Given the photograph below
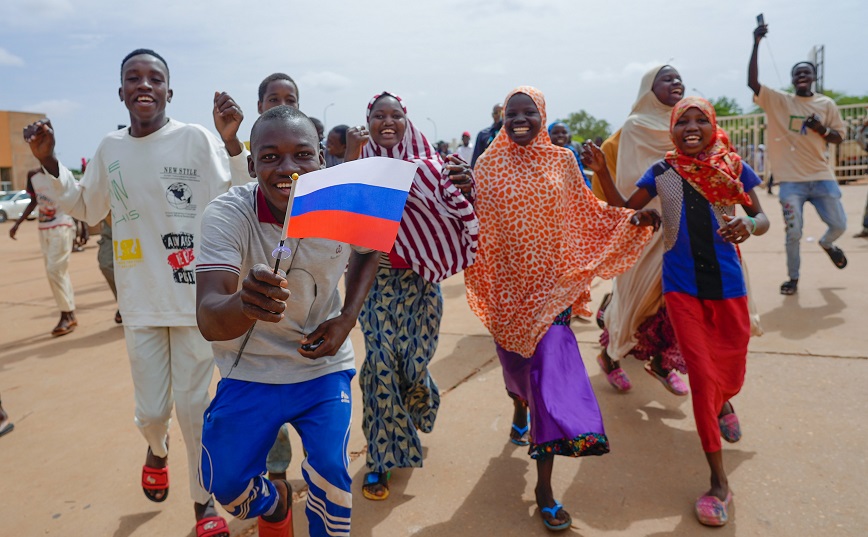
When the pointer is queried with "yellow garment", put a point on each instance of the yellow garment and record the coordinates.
(610, 151)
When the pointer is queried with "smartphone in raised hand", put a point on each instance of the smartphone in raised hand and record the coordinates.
(760, 20)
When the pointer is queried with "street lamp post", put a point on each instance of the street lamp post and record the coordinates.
(436, 138)
(324, 110)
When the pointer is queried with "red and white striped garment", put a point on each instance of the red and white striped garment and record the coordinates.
(439, 228)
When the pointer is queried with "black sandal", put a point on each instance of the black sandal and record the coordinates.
(601, 313)
(789, 287)
(837, 256)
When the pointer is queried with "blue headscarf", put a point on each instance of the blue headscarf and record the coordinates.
(571, 148)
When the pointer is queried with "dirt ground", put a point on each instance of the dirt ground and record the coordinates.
(72, 465)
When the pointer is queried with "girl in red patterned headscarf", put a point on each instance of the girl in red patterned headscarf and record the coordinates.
(699, 184)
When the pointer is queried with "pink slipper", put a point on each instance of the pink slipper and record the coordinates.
(711, 511)
(671, 381)
(616, 377)
(730, 428)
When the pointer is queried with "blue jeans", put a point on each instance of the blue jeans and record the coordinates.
(825, 196)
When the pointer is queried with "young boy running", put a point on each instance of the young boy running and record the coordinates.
(56, 235)
(156, 178)
(298, 363)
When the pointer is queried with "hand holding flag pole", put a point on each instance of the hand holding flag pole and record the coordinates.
(359, 202)
(279, 253)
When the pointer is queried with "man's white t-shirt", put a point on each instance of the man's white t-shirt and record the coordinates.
(156, 188)
(50, 214)
(465, 152)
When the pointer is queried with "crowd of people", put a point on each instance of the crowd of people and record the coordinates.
(529, 250)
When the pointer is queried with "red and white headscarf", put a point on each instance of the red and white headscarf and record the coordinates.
(714, 172)
(439, 229)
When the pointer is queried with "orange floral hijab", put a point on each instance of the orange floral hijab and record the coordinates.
(715, 171)
(543, 237)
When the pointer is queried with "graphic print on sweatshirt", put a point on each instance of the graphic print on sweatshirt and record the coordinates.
(181, 247)
(122, 211)
(179, 193)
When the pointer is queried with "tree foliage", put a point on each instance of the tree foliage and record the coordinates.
(726, 106)
(583, 126)
(843, 98)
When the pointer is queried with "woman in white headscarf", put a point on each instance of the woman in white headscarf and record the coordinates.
(635, 319)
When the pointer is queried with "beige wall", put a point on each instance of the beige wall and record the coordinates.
(14, 151)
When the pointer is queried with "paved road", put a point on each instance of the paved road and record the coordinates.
(71, 467)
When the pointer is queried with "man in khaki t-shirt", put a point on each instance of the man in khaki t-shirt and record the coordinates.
(799, 127)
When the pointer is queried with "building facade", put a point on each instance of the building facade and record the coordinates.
(15, 155)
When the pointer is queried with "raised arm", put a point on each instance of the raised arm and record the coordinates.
(594, 159)
(753, 67)
(357, 138)
(227, 120)
(88, 204)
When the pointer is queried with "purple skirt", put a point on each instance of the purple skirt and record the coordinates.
(565, 418)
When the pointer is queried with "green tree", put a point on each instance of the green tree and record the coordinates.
(584, 126)
(726, 106)
(843, 98)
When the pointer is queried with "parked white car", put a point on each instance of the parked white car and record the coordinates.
(12, 205)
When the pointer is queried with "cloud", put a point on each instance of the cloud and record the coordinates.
(488, 67)
(325, 80)
(54, 108)
(7, 58)
(87, 41)
(33, 12)
(48, 8)
(536, 7)
(629, 70)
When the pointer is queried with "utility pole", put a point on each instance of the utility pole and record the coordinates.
(818, 58)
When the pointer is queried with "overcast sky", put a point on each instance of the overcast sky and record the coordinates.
(451, 60)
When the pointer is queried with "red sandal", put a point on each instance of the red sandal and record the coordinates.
(282, 528)
(212, 526)
(155, 480)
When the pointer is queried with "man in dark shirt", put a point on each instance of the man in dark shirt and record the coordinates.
(486, 135)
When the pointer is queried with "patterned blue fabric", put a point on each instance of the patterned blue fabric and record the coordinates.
(401, 323)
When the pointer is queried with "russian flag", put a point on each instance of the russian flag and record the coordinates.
(358, 202)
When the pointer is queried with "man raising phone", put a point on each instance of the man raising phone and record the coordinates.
(799, 127)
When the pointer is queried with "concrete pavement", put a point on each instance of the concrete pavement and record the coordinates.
(71, 467)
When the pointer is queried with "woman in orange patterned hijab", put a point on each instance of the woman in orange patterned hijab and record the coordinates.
(543, 237)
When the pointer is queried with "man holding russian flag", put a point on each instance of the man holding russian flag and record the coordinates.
(296, 364)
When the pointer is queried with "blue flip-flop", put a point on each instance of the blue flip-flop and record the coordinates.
(553, 512)
(6, 427)
(520, 441)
